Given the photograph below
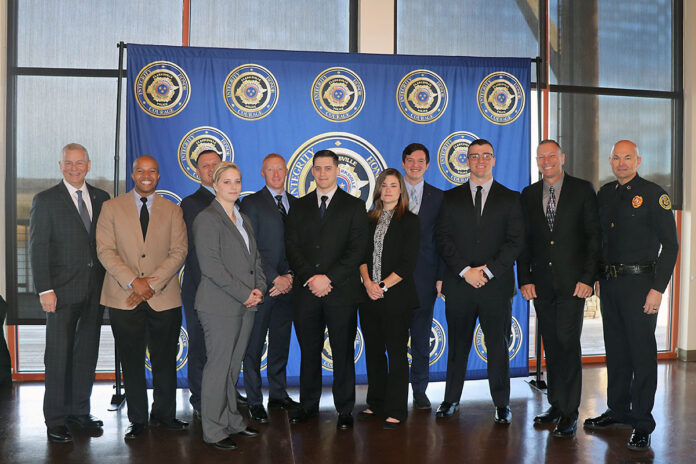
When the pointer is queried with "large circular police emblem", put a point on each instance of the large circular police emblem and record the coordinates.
(359, 164)
(438, 341)
(199, 140)
(326, 356)
(169, 195)
(181, 351)
(338, 94)
(500, 98)
(513, 347)
(452, 156)
(162, 89)
(422, 96)
(251, 91)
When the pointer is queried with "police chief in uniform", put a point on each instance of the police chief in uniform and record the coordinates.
(639, 251)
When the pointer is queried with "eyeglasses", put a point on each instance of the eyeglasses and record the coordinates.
(483, 156)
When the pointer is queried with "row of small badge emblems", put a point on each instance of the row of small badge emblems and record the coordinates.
(162, 89)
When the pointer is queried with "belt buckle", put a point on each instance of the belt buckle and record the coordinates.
(612, 272)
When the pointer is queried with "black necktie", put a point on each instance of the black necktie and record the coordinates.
(322, 208)
(477, 204)
(281, 207)
(144, 216)
(84, 214)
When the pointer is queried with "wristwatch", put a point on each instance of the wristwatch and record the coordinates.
(383, 287)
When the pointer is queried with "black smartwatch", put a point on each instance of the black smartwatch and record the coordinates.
(383, 287)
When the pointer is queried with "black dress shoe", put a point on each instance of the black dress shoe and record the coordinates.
(301, 416)
(447, 409)
(286, 403)
(258, 414)
(363, 415)
(503, 415)
(174, 424)
(241, 399)
(345, 421)
(640, 441)
(134, 430)
(248, 432)
(59, 434)
(565, 428)
(549, 416)
(421, 401)
(225, 444)
(386, 425)
(85, 421)
(605, 422)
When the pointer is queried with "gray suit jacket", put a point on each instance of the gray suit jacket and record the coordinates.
(229, 271)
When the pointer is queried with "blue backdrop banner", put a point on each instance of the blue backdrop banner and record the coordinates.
(367, 108)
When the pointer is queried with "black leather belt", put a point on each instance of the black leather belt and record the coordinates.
(614, 271)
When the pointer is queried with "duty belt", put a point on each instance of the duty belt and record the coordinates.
(613, 271)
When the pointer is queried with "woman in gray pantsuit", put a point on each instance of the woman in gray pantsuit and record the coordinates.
(232, 285)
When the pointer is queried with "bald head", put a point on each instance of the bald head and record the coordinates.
(145, 175)
(624, 160)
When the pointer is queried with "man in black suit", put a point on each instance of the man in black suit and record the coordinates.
(425, 201)
(68, 278)
(325, 241)
(5, 361)
(557, 270)
(191, 206)
(267, 210)
(480, 234)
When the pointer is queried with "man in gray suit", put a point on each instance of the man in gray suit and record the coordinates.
(68, 277)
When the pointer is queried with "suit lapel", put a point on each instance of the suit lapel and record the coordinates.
(537, 199)
(233, 229)
(96, 208)
(65, 196)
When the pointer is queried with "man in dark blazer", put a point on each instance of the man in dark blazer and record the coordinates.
(557, 270)
(267, 210)
(326, 239)
(68, 278)
(191, 206)
(480, 234)
(424, 201)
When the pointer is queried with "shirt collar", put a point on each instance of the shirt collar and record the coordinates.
(329, 194)
(486, 185)
(210, 189)
(556, 185)
(274, 193)
(72, 190)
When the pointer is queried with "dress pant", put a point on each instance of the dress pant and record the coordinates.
(495, 315)
(421, 330)
(5, 362)
(70, 358)
(274, 316)
(385, 328)
(134, 330)
(629, 339)
(311, 316)
(226, 339)
(560, 323)
(196, 348)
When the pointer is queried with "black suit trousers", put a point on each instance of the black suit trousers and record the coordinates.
(70, 358)
(385, 329)
(311, 316)
(560, 323)
(134, 330)
(629, 339)
(421, 330)
(274, 317)
(495, 316)
(196, 350)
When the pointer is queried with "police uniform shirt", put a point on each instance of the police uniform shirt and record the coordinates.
(638, 227)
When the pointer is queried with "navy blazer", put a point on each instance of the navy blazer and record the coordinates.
(496, 242)
(429, 266)
(333, 245)
(269, 227)
(192, 205)
(63, 253)
(556, 261)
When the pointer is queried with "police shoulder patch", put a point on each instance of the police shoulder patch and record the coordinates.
(665, 202)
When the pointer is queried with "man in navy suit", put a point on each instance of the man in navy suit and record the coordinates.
(326, 236)
(557, 270)
(191, 206)
(480, 234)
(68, 278)
(425, 201)
(267, 210)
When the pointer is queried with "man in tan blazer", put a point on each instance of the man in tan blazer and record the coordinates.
(142, 243)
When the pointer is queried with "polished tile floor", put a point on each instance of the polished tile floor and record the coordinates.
(470, 436)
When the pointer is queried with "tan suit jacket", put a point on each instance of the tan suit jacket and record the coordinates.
(126, 256)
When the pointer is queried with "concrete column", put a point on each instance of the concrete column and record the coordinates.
(376, 26)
